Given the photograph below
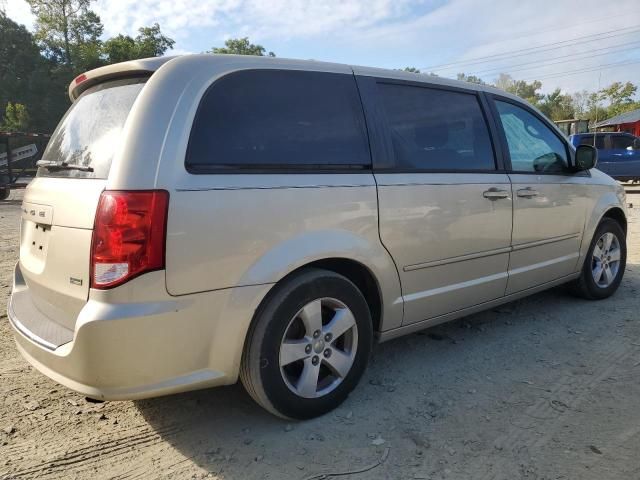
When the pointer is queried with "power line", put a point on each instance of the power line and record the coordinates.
(573, 56)
(540, 48)
(554, 28)
(584, 70)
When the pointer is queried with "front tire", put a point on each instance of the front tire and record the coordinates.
(605, 263)
(308, 345)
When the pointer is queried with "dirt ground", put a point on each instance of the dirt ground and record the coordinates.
(543, 388)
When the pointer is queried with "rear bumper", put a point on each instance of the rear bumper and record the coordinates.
(125, 350)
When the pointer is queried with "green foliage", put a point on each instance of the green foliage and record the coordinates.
(150, 42)
(86, 46)
(56, 23)
(620, 98)
(16, 118)
(503, 82)
(68, 39)
(28, 78)
(37, 68)
(528, 91)
(470, 79)
(416, 70)
(607, 102)
(557, 105)
(242, 46)
(69, 33)
(119, 49)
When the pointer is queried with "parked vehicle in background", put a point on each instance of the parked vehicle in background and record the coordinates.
(573, 126)
(19, 152)
(618, 153)
(205, 218)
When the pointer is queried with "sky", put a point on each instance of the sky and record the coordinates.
(563, 43)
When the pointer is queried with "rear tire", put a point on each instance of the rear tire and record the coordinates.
(308, 346)
(4, 193)
(604, 264)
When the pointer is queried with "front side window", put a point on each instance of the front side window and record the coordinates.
(434, 129)
(274, 119)
(621, 142)
(533, 147)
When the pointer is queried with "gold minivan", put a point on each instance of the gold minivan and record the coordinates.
(206, 217)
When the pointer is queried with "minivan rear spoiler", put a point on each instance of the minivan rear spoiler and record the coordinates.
(133, 68)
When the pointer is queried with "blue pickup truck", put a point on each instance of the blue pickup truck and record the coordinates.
(618, 153)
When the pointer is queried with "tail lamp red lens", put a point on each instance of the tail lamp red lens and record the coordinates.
(129, 236)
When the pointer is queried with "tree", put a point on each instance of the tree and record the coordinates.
(57, 23)
(580, 102)
(86, 46)
(16, 118)
(620, 97)
(503, 82)
(242, 46)
(470, 78)
(527, 91)
(411, 69)
(557, 105)
(150, 42)
(607, 102)
(28, 78)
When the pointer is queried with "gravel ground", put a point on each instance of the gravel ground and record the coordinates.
(543, 388)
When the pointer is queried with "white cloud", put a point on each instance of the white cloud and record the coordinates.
(19, 11)
(261, 19)
(392, 33)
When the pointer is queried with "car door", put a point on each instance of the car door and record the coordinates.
(624, 156)
(444, 204)
(549, 202)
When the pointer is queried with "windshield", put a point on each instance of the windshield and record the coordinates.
(90, 132)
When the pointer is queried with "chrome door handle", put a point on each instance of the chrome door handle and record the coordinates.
(527, 192)
(494, 194)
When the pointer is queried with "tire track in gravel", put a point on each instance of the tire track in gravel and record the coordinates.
(559, 401)
(91, 456)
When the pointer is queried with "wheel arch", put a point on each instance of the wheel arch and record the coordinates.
(617, 214)
(361, 276)
(610, 205)
(358, 273)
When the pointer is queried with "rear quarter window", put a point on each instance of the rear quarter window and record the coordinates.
(91, 130)
(279, 120)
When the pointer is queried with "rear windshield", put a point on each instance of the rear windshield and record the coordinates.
(90, 132)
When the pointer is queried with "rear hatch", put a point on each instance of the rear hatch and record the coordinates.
(60, 204)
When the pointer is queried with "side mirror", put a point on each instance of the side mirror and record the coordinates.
(586, 157)
(630, 148)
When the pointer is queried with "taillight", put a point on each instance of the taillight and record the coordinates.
(128, 236)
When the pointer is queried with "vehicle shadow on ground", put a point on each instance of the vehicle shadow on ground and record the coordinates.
(223, 430)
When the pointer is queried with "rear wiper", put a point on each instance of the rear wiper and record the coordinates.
(53, 166)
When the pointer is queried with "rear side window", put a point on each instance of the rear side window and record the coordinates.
(598, 142)
(279, 119)
(433, 129)
(91, 130)
(533, 147)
